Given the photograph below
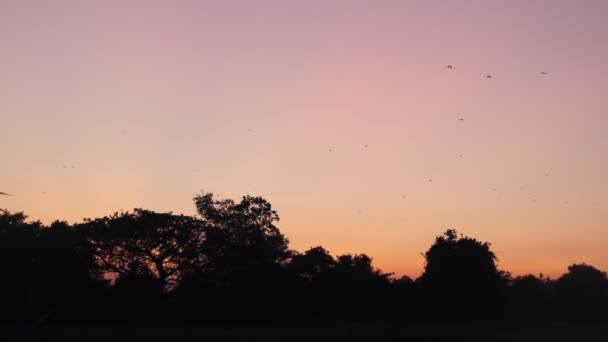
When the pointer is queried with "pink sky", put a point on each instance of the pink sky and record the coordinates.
(152, 101)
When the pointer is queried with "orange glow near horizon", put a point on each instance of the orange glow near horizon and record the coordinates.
(114, 105)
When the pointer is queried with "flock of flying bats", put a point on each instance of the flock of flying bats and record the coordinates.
(330, 150)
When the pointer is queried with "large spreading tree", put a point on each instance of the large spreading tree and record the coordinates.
(146, 243)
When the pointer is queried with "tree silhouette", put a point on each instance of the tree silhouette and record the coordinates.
(528, 295)
(232, 264)
(19, 255)
(144, 242)
(45, 272)
(582, 292)
(139, 291)
(244, 256)
(460, 277)
(352, 288)
(241, 238)
(405, 297)
(67, 276)
(311, 263)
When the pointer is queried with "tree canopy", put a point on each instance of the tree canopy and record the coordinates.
(240, 236)
(161, 245)
(460, 276)
(231, 262)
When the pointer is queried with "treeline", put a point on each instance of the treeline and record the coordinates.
(231, 263)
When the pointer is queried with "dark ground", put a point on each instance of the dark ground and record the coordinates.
(494, 331)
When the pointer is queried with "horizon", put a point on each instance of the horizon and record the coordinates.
(340, 116)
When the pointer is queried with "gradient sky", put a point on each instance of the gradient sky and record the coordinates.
(152, 101)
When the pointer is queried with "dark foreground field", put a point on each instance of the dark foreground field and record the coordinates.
(597, 331)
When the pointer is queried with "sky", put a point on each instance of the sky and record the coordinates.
(114, 105)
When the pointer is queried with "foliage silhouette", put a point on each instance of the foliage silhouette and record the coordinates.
(582, 292)
(529, 296)
(312, 263)
(43, 270)
(461, 279)
(232, 263)
(161, 245)
(241, 238)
